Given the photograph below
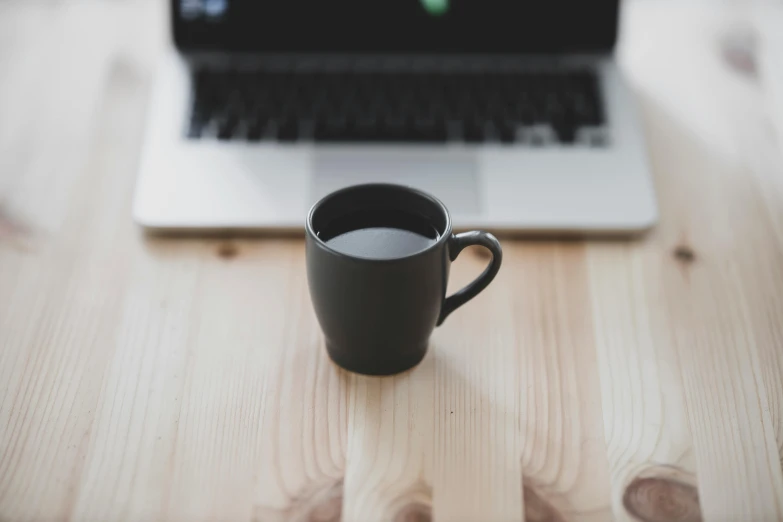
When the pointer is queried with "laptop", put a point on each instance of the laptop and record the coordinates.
(513, 112)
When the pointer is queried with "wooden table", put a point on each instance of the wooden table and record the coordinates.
(151, 379)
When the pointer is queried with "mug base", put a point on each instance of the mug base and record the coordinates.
(375, 367)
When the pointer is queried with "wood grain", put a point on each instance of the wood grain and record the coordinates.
(765, 304)
(644, 403)
(477, 469)
(564, 453)
(146, 378)
(707, 298)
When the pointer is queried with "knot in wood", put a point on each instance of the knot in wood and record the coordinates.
(684, 254)
(414, 512)
(227, 251)
(654, 499)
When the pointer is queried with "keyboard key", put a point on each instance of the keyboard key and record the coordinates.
(473, 132)
(565, 134)
(194, 130)
(255, 132)
(287, 130)
(506, 131)
(227, 126)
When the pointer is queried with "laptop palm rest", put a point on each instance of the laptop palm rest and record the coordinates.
(450, 176)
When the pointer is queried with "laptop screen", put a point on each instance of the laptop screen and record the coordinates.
(396, 26)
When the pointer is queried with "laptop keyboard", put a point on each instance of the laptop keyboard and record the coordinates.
(531, 107)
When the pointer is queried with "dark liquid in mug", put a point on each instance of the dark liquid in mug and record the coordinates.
(379, 234)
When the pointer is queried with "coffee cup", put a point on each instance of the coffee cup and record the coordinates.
(378, 258)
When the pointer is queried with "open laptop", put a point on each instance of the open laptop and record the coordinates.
(512, 112)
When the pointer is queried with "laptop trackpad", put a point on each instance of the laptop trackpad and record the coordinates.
(450, 175)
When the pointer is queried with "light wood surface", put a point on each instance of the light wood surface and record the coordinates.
(156, 379)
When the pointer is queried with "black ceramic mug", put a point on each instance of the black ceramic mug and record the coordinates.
(377, 312)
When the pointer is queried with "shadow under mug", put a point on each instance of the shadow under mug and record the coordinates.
(377, 315)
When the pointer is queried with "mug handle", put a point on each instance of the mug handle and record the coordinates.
(457, 244)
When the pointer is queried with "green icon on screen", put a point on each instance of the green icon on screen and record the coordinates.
(435, 7)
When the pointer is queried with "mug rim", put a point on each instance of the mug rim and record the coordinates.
(412, 190)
